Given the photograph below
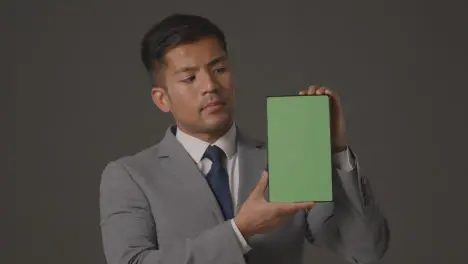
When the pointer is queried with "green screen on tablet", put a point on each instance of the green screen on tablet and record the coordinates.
(299, 148)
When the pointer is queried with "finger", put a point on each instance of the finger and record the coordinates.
(321, 90)
(312, 89)
(259, 190)
(304, 205)
(303, 92)
(333, 96)
(291, 208)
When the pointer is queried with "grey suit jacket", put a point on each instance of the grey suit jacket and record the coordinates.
(156, 207)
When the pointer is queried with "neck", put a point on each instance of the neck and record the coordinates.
(210, 136)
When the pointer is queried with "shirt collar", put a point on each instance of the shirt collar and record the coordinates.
(197, 147)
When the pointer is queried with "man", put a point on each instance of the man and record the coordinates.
(198, 196)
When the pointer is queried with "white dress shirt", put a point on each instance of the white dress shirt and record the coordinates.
(196, 148)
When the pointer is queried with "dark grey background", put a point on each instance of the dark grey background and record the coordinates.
(77, 97)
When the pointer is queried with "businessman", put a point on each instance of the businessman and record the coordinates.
(200, 195)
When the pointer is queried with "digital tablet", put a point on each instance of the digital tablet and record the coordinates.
(299, 148)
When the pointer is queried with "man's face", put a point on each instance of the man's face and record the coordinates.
(199, 91)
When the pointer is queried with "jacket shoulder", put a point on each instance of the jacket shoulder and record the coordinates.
(140, 159)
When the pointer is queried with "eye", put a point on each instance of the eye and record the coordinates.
(189, 79)
(221, 70)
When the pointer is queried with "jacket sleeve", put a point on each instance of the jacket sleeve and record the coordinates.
(352, 225)
(129, 233)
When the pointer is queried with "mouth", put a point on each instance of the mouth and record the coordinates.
(213, 105)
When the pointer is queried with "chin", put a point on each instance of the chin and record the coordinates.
(217, 123)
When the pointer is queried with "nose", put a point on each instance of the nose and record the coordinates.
(210, 83)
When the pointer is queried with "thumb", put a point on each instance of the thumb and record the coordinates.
(259, 190)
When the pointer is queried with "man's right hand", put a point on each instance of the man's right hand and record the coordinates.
(258, 215)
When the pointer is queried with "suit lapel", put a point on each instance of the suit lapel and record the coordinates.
(252, 162)
(176, 161)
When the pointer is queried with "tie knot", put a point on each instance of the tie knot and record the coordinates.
(215, 154)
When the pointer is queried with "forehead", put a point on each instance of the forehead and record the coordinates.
(198, 53)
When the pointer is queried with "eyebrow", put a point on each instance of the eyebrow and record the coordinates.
(210, 64)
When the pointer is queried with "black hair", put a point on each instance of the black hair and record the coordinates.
(172, 31)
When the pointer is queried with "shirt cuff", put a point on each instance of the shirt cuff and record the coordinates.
(245, 247)
(353, 183)
(343, 160)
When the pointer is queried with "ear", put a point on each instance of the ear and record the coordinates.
(160, 99)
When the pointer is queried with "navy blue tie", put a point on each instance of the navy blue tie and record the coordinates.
(218, 180)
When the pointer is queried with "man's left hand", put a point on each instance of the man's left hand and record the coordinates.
(338, 129)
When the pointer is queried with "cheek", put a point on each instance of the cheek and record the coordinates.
(230, 88)
(225, 80)
(184, 104)
(226, 83)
